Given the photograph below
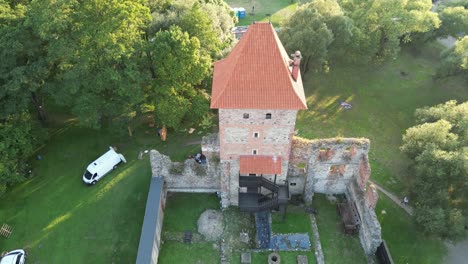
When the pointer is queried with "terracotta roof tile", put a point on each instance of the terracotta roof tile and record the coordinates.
(255, 75)
(260, 164)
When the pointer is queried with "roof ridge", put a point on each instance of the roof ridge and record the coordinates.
(256, 74)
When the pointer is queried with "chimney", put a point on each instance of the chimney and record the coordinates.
(295, 63)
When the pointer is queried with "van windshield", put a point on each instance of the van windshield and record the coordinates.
(88, 175)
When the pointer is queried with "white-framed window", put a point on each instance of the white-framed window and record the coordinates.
(256, 134)
(246, 116)
(254, 152)
(268, 116)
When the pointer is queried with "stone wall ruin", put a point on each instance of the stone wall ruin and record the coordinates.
(329, 166)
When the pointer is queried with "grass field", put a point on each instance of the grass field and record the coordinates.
(182, 213)
(336, 245)
(384, 101)
(264, 10)
(407, 244)
(184, 209)
(57, 219)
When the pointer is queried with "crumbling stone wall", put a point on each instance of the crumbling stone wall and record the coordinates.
(187, 176)
(328, 165)
(370, 229)
(338, 166)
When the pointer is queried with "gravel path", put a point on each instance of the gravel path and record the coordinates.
(394, 198)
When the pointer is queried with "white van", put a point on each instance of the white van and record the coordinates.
(100, 167)
(17, 256)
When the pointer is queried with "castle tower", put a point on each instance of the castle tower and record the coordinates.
(258, 91)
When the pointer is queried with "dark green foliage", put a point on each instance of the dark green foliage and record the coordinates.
(92, 46)
(455, 60)
(437, 149)
(18, 137)
(177, 67)
(357, 31)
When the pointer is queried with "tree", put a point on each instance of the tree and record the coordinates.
(19, 134)
(210, 21)
(357, 31)
(454, 18)
(177, 68)
(94, 48)
(23, 68)
(307, 31)
(438, 151)
(387, 23)
(455, 60)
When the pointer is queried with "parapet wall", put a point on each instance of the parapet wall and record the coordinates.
(187, 176)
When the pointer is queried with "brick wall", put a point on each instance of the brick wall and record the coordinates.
(236, 133)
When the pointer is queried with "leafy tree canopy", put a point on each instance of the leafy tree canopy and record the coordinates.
(177, 67)
(210, 21)
(360, 31)
(454, 61)
(438, 150)
(93, 49)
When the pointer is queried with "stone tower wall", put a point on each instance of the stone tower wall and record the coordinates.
(236, 133)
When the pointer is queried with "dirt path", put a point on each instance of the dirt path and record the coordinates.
(394, 198)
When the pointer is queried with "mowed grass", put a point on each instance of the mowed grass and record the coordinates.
(407, 244)
(337, 247)
(295, 222)
(58, 219)
(384, 100)
(181, 214)
(275, 11)
(195, 253)
(184, 209)
(285, 256)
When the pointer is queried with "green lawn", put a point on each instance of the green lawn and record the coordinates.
(181, 214)
(295, 222)
(58, 219)
(195, 253)
(406, 243)
(286, 257)
(383, 102)
(184, 209)
(335, 244)
(277, 9)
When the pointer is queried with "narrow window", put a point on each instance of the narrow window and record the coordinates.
(268, 116)
(256, 134)
(254, 152)
(292, 184)
(246, 116)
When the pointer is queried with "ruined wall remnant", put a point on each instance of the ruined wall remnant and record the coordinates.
(328, 165)
(337, 166)
(187, 176)
(369, 230)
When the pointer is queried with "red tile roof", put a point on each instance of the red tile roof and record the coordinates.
(260, 164)
(256, 74)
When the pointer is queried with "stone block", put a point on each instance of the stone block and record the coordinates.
(246, 258)
(244, 237)
(302, 259)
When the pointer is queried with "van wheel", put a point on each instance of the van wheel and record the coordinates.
(93, 183)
